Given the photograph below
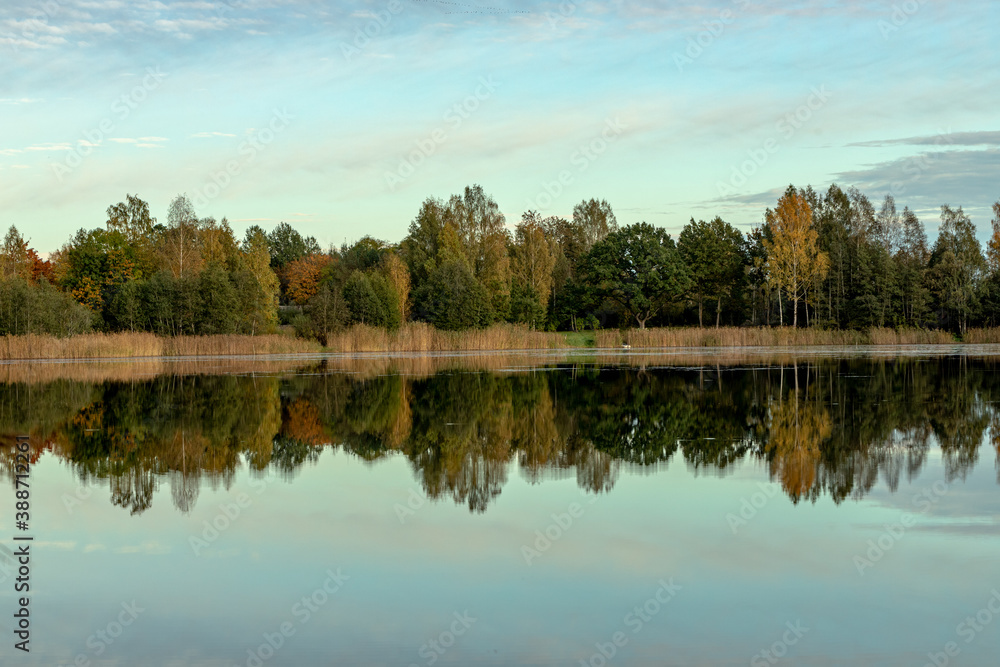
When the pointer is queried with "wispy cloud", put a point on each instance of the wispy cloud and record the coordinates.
(983, 138)
(140, 142)
(49, 147)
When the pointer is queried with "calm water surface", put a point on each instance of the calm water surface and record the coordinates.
(801, 508)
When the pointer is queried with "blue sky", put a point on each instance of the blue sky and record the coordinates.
(285, 110)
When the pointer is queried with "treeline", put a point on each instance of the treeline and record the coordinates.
(831, 260)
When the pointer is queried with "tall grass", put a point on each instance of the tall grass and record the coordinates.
(766, 337)
(233, 345)
(422, 337)
(982, 336)
(131, 345)
(419, 337)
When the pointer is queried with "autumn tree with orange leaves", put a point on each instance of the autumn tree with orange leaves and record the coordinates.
(794, 259)
(303, 277)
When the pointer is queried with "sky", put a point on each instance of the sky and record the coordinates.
(341, 118)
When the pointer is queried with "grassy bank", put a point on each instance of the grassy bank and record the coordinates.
(417, 337)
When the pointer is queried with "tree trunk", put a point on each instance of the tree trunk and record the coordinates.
(781, 313)
(700, 301)
(805, 300)
(795, 309)
(718, 311)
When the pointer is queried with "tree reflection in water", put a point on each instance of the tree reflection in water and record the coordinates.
(822, 426)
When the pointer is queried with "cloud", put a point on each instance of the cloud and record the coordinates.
(982, 138)
(62, 546)
(19, 100)
(49, 147)
(141, 142)
(929, 179)
(205, 135)
(149, 548)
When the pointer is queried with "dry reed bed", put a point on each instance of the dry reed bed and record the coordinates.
(982, 336)
(422, 337)
(766, 337)
(185, 346)
(130, 345)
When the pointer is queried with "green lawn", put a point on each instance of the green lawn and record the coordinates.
(579, 338)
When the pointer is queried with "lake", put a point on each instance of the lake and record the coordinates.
(760, 507)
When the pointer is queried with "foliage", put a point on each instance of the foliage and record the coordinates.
(371, 300)
(715, 256)
(794, 259)
(327, 312)
(532, 261)
(303, 277)
(835, 258)
(452, 299)
(286, 245)
(638, 267)
(27, 308)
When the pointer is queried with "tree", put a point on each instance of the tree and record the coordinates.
(371, 300)
(15, 258)
(255, 258)
(419, 250)
(287, 245)
(395, 271)
(912, 259)
(482, 232)
(255, 307)
(218, 302)
(303, 277)
(180, 251)
(716, 260)
(956, 267)
(452, 298)
(39, 309)
(794, 259)
(595, 220)
(41, 269)
(364, 254)
(132, 220)
(218, 243)
(639, 268)
(888, 231)
(125, 311)
(131, 217)
(327, 311)
(532, 260)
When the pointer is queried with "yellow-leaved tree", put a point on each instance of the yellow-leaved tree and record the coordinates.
(794, 259)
